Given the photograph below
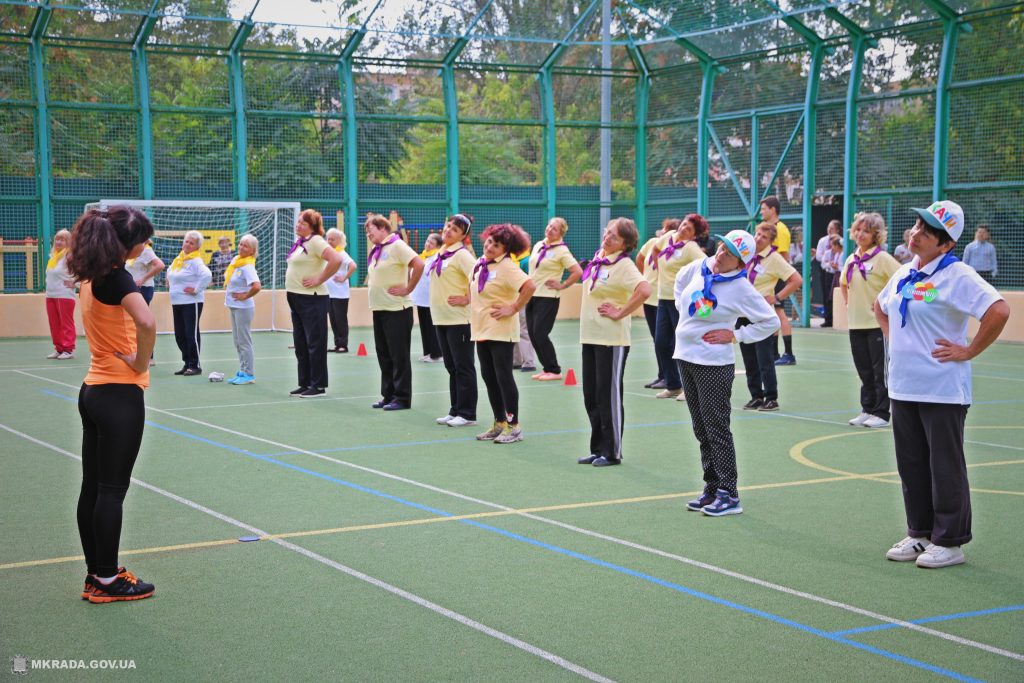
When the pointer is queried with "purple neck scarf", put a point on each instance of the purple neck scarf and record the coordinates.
(755, 262)
(544, 250)
(859, 262)
(481, 266)
(299, 244)
(671, 248)
(593, 268)
(374, 258)
(438, 263)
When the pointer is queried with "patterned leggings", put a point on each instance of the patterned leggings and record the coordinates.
(708, 390)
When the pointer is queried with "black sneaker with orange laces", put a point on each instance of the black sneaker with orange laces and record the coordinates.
(126, 586)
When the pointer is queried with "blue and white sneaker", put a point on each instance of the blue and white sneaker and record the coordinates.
(244, 379)
(697, 503)
(724, 504)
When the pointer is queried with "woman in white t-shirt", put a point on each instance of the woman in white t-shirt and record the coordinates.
(712, 296)
(187, 278)
(924, 311)
(60, 299)
(241, 284)
(144, 270)
(338, 291)
(420, 298)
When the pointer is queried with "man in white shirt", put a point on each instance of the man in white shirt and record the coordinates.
(822, 255)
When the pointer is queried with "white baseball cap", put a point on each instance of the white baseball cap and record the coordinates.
(946, 216)
(740, 243)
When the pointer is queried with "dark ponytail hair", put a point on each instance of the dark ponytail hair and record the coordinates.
(102, 238)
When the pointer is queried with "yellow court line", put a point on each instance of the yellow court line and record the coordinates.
(796, 452)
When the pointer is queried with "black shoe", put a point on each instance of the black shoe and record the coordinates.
(606, 462)
(182, 371)
(528, 368)
(768, 406)
(126, 586)
(655, 384)
(753, 404)
(516, 367)
(192, 372)
(380, 404)
(588, 460)
(297, 392)
(313, 392)
(396, 405)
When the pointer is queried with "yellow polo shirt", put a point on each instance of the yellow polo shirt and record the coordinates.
(861, 293)
(504, 280)
(669, 268)
(650, 272)
(305, 263)
(454, 280)
(770, 270)
(782, 237)
(615, 284)
(556, 261)
(392, 269)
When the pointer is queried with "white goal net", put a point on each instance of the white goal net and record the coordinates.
(272, 223)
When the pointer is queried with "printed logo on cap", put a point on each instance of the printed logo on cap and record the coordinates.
(946, 217)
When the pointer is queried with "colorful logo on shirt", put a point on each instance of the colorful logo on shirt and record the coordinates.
(920, 291)
(701, 307)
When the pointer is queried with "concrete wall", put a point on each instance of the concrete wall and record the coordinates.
(24, 315)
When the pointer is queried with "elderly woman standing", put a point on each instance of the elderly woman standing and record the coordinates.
(718, 305)
(548, 262)
(60, 299)
(338, 288)
(311, 262)
(420, 298)
(861, 279)
(241, 284)
(612, 289)
(674, 251)
(187, 278)
(764, 270)
(924, 311)
(392, 271)
(646, 263)
(499, 290)
(450, 276)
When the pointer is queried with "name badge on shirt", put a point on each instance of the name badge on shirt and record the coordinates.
(868, 267)
(602, 276)
(759, 268)
(491, 275)
(920, 291)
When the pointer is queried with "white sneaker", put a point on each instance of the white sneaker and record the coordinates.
(459, 421)
(681, 396)
(668, 393)
(65, 355)
(937, 556)
(859, 420)
(874, 422)
(425, 359)
(444, 419)
(907, 550)
(54, 355)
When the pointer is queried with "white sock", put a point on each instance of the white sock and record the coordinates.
(106, 581)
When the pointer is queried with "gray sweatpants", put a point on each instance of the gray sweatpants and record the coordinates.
(241, 330)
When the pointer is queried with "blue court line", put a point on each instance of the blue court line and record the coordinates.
(931, 620)
(833, 637)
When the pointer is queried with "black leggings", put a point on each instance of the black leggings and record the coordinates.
(113, 417)
(541, 313)
(496, 370)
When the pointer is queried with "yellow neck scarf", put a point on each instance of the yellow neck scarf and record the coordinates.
(237, 262)
(427, 253)
(55, 257)
(180, 259)
(340, 249)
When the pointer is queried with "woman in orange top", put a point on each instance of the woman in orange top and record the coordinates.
(121, 333)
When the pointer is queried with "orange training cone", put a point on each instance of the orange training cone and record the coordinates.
(570, 378)
(361, 351)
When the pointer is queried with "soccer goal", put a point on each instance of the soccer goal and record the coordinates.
(272, 223)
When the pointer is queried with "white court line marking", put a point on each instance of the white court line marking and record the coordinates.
(612, 539)
(355, 573)
(843, 424)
